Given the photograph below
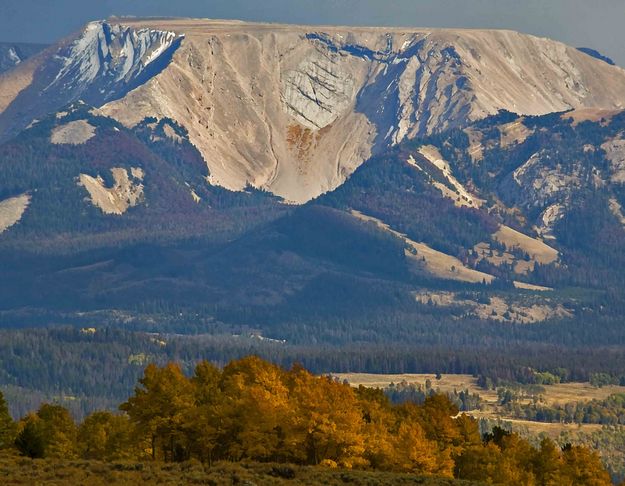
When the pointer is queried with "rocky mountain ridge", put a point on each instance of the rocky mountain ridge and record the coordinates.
(296, 109)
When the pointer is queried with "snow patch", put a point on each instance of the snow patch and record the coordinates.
(106, 59)
(13, 56)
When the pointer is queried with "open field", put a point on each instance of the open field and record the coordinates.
(554, 394)
(559, 393)
(552, 430)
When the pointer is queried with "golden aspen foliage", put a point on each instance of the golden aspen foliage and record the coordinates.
(379, 428)
(415, 453)
(547, 463)
(328, 422)
(583, 466)
(469, 430)
(203, 424)
(253, 410)
(159, 409)
(106, 437)
(59, 431)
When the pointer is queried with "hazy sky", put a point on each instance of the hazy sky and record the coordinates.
(589, 23)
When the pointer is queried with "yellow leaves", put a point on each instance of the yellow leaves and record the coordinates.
(582, 466)
(106, 437)
(329, 421)
(59, 431)
(7, 426)
(254, 410)
(50, 432)
(414, 452)
(159, 408)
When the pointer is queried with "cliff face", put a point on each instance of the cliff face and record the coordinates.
(295, 109)
(12, 54)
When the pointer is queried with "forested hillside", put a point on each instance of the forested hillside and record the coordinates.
(185, 246)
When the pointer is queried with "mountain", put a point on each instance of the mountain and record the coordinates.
(357, 199)
(326, 184)
(12, 54)
(294, 110)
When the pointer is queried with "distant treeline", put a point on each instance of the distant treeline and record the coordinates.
(97, 368)
(609, 411)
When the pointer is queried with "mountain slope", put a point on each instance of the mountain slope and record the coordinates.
(295, 109)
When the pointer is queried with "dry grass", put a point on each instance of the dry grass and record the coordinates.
(527, 286)
(12, 209)
(559, 393)
(437, 263)
(552, 430)
(578, 392)
(73, 133)
(589, 114)
(447, 383)
(536, 249)
(499, 308)
(16, 470)
(514, 132)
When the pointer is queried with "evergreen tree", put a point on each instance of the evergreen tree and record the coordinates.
(7, 425)
(31, 439)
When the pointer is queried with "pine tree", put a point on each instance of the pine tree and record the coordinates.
(7, 425)
(31, 440)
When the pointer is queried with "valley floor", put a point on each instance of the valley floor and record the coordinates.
(556, 394)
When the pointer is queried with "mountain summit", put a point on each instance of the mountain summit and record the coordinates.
(294, 110)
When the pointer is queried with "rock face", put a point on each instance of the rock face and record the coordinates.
(318, 90)
(108, 60)
(103, 62)
(295, 109)
(13, 54)
(547, 184)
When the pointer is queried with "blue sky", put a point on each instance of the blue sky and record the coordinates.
(598, 24)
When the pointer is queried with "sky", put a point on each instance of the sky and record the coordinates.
(581, 23)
